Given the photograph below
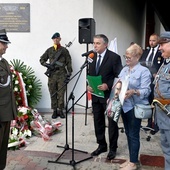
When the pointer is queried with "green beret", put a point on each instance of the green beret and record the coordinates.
(56, 35)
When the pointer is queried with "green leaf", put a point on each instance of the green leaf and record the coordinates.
(32, 84)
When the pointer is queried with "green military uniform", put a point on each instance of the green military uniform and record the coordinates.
(58, 75)
(8, 109)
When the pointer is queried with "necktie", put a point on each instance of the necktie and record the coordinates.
(98, 64)
(151, 57)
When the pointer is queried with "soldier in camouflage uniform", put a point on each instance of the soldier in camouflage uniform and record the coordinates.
(162, 97)
(59, 72)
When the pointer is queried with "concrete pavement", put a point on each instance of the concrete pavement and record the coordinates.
(72, 151)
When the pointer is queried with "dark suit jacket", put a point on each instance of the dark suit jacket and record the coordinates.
(109, 69)
(157, 62)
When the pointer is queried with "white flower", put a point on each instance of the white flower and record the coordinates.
(30, 86)
(15, 131)
(23, 110)
(16, 82)
(27, 133)
(16, 89)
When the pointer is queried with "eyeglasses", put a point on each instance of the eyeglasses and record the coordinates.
(127, 58)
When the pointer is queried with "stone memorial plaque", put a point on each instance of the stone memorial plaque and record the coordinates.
(15, 17)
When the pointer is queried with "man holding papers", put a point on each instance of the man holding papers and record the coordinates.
(106, 66)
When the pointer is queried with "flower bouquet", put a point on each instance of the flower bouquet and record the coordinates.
(27, 91)
(17, 138)
(20, 128)
(43, 127)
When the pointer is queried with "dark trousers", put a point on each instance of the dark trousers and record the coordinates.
(132, 129)
(4, 136)
(100, 125)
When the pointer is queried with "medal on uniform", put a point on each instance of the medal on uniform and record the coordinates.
(159, 60)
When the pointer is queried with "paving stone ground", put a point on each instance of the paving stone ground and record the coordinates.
(71, 150)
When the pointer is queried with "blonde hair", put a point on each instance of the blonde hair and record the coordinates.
(135, 50)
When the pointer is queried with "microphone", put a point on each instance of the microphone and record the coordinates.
(90, 56)
(87, 53)
(89, 60)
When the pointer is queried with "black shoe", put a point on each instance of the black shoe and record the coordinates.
(99, 150)
(62, 114)
(146, 128)
(111, 155)
(153, 132)
(54, 115)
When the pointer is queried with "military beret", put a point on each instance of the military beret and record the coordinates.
(55, 35)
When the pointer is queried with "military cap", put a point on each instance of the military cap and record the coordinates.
(3, 36)
(164, 37)
(55, 35)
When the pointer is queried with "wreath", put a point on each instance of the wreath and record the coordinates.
(24, 77)
(27, 91)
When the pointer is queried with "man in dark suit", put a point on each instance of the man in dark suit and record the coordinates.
(152, 59)
(8, 109)
(109, 67)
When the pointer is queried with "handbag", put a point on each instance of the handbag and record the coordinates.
(143, 111)
(113, 109)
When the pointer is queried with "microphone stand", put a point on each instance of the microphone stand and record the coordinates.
(86, 106)
(66, 147)
(86, 92)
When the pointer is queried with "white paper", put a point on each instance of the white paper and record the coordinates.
(124, 87)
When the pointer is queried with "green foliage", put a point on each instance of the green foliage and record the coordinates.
(32, 84)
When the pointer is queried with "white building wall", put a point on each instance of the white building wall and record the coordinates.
(46, 18)
(121, 19)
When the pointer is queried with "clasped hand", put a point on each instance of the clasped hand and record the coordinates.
(129, 93)
(102, 87)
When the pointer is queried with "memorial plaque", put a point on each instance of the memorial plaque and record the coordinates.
(15, 17)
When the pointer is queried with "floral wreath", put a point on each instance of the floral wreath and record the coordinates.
(27, 88)
(27, 91)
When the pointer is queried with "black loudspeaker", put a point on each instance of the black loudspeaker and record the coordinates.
(86, 30)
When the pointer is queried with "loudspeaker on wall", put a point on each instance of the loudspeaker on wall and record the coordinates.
(86, 30)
